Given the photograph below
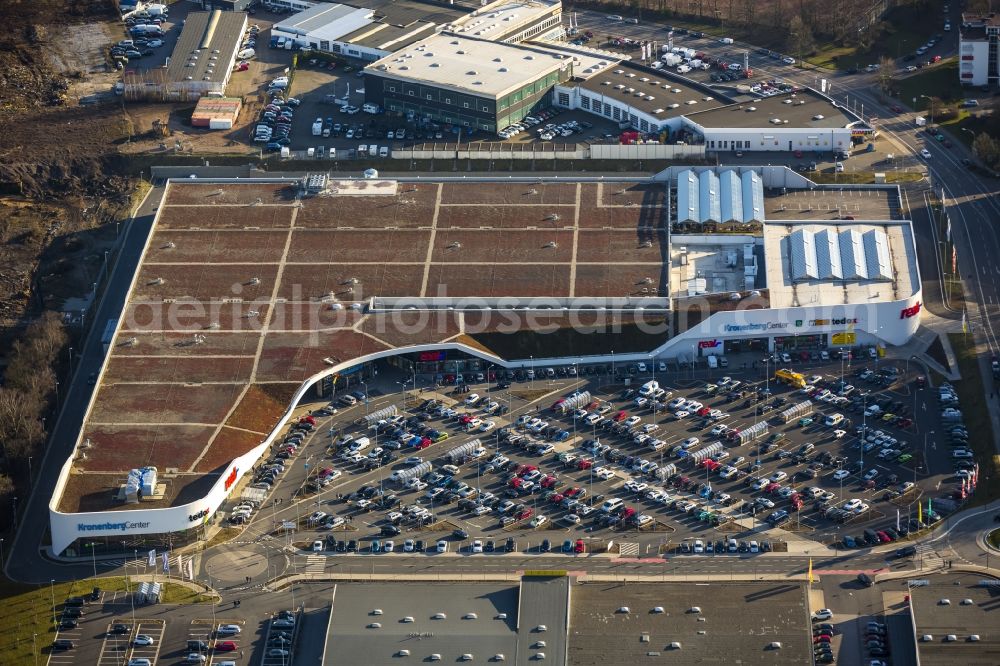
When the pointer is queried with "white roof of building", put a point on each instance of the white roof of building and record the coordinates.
(587, 61)
(838, 262)
(481, 68)
(326, 21)
(500, 18)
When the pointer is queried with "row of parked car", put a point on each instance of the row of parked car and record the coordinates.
(527, 123)
(275, 124)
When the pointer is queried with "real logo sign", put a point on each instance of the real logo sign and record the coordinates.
(709, 344)
(911, 311)
(231, 479)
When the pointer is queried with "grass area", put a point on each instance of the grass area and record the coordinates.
(138, 194)
(993, 538)
(26, 613)
(863, 177)
(976, 416)
(903, 30)
(222, 536)
(951, 280)
(940, 81)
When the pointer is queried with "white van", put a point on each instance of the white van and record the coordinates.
(834, 420)
(611, 505)
(713, 362)
(373, 150)
(649, 387)
(370, 108)
(383, 151)
(726, 40)
(360, 444)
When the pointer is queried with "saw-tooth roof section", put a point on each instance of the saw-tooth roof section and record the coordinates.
(709, 197)
(753, 197)
(852, 255)
(828, 263)
(877, 257)
(803, 251)
(688, 210)
(731, 199)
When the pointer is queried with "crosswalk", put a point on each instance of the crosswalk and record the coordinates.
(928, 557)
(315, 564)
(628, 548)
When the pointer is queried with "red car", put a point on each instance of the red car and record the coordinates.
(704, 411)
(896, 108)
(526, 469)
(523, 514)
(311, 420)
(573, 492)
(243, 66)
(798, 153)
(905, 423)
(465, 419)
(627, 513)
(424, 443)
(225, 646)
(579, 547)
(620, 416)
(548, 482)
(584, 463)
(557, 498)
(557, 404)
(772, 487)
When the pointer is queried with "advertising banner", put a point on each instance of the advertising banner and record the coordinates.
(843, 338)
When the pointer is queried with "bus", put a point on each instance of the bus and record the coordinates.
(791, 378)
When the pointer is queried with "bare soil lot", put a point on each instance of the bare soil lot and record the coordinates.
(224, 216)
(342, 245)
(214, 246)
(173, 369)
(221, 195)
(509, 193)
(292, 357)
(163, 403)
(595, 245)
(193, 317)
(410, 209)
(170, 344)
(156, 445)
(307, 282)
(506, 217)
(311, 317)
(502, 246)
(616, 281)
(205, 282)
(229, 444)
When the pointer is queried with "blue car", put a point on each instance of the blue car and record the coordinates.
(273, 146)
(376, 546)
(849, 542)
(561, 436)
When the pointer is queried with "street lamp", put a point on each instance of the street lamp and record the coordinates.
(931, 100)
(52, 589)
(93, 557)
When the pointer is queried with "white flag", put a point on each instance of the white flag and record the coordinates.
(897, 520)
(190, 568)
(180, 564)
(948, 230)
(166, 563)
(152, 558)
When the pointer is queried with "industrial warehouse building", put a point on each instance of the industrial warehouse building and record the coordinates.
(466, 81)
(373, 29)
(801, 267)
(201, 63)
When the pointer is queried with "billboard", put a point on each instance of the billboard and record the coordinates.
(843, 339)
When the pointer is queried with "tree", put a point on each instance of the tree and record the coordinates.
(987, 149)
(800, 36)
(885, 69)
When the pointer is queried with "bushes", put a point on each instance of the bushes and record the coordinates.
(29, 385)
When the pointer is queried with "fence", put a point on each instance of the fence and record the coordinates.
(380, 415)
(798, 410)
(547, 151)
(460, 453)
(706, 452)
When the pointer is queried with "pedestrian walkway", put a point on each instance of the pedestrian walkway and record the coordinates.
(928, 557)
(628, 548)
(315, 564)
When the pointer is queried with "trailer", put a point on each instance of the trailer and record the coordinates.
(401, 476)
(796, 411)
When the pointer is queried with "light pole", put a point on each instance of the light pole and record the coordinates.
(52, 590)
(365, 384)
(93, 557)
(931, 100)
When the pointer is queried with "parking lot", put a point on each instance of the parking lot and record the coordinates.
(540, 475)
